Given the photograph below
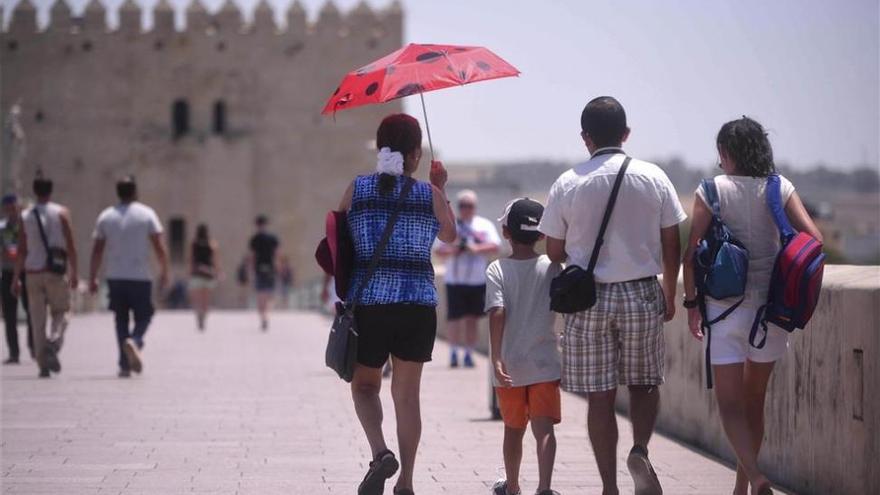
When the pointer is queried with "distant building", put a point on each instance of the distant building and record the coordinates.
(218, 122)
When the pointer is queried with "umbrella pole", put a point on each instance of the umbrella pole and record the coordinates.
(427, 126)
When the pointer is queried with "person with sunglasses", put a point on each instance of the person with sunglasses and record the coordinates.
(466, 261)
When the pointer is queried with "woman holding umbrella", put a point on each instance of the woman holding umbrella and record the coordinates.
(396, 314)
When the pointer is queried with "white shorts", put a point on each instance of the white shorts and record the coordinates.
(730, 337)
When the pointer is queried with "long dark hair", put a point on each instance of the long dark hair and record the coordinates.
(399, 132)
(745, 142)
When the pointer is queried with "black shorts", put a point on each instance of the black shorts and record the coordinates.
(264, 280)
(465, 300)
(406, 331)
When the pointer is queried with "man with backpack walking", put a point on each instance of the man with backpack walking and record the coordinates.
(48, 255)
(619, 340)
(125, 232)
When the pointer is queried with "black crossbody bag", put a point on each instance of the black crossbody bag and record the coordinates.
(341, 353)
(574, 290)
(56, 258)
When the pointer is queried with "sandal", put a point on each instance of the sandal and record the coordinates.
(383, 467)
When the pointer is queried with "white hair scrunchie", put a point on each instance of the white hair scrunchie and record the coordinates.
(389, 162)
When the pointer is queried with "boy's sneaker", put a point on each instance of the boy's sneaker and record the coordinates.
(500, 488)
(382, 468)
(468, 360)
(133, 355)
(642, 472)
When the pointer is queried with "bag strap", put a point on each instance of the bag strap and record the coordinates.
(711, 192)
(42, 231)
(600, 239)
(383, 243)
(777, 209)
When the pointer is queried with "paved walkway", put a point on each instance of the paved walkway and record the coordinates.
(236, 411)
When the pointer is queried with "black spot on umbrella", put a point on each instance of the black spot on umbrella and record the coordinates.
(409, 89)
(372, 88)
(428, 56)
(483, 65)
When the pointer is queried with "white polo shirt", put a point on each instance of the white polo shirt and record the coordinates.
(646, 203)
(126, 228)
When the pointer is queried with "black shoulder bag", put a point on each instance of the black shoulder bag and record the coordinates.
(56, 258)
(342, 345)
(574, 290)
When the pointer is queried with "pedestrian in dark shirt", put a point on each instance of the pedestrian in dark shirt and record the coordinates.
(10, 228)
(263, 262)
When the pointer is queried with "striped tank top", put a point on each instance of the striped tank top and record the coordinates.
(405, 273)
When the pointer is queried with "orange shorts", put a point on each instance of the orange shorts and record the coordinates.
(519, 404)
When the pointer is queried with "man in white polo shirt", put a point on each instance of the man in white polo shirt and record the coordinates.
(619, 341)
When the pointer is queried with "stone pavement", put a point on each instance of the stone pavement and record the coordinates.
(236, 411)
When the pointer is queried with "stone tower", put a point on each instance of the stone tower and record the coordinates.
(218, 122)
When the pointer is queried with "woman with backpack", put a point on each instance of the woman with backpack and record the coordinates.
(741, 371)
(395, 305)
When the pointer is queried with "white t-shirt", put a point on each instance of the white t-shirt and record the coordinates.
(743, 202)
(469, 268)
(646, 203)
(126, 229)
(529, 347)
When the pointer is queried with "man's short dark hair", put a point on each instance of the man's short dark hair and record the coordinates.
(261, 220)
(42, 186)
(126, 188)
(604, 120)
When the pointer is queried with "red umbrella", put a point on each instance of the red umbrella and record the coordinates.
(417, 68)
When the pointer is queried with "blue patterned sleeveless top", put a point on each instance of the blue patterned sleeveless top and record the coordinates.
(405, 273)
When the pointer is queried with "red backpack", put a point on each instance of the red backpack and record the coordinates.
(797, 274)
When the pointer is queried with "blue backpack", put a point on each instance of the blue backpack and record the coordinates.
(721, 263)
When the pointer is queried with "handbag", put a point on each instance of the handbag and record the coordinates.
(574, 290)
(56, 258)
(342, 345)
(335, 252)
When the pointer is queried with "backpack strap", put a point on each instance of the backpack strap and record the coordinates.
(777, 209)
(711, 192)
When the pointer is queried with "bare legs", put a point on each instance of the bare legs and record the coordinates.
(405, 383)
(264, 302)
(542, 428)
(602, 430)
(602, 427)
(740, 391)
(201, 300)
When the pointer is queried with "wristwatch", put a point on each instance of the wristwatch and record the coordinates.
(689, 303)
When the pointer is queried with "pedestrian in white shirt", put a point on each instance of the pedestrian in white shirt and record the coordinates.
(123, 235)
(619, 341)
(466, 262)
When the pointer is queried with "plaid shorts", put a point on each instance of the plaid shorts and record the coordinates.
(618, 341)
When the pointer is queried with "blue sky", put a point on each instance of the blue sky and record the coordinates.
(807, 69)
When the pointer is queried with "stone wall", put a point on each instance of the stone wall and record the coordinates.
(97, 103)
(823, 410)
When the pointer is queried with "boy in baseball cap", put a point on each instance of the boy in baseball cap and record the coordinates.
(524, 349)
